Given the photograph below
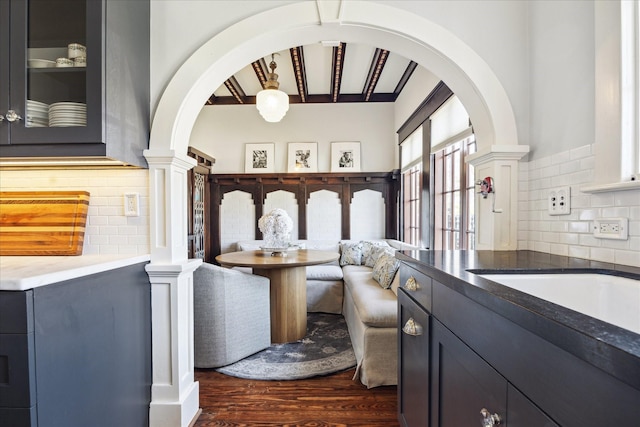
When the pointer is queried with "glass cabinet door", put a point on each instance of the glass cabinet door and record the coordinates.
(56, 77)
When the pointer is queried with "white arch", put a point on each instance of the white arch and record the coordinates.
(302, 23)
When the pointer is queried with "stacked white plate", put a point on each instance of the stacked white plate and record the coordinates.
(67, 114)
(37, 114)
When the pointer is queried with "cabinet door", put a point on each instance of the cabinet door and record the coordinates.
(413, 366)
(523, 413)
(57, 103)
(463, 384)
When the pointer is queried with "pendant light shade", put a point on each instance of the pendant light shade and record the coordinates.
(271, 102)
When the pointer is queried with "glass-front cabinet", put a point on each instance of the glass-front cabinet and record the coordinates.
(61, 91)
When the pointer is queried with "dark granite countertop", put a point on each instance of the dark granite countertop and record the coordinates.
(613, 349)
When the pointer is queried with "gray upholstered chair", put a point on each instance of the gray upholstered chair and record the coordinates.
(230, 315)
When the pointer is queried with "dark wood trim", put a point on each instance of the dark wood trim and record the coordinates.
(408, 72)
(205, 163)
(302, 185)
(420, 117)
(432, 102)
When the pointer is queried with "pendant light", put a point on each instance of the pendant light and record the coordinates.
(271, 102)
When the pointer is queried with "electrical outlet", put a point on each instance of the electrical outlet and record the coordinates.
(611, 228)
(559, 201)
(131, 204)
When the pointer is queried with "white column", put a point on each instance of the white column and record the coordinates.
(174, 393)
(497, 214)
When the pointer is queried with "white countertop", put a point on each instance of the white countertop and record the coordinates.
(19, 273)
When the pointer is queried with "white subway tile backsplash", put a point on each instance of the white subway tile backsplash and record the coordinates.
(602, 200)
(615, 212)
(627, 257)
(603, 254)
(580, 152)
(571, 234)
(580, 252)
(105, 217)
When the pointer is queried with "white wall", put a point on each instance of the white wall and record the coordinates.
(562, 74)
(222, 132)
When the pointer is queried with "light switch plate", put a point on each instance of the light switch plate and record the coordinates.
(559, 201)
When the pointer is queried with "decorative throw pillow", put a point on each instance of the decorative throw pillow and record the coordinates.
(371, 251)
(369, 258)
(385, 270)
(350, 253)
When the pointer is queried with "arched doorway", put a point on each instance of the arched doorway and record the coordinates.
(174, 393)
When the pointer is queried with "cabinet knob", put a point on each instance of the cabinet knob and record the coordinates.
(489, 420)
(411, 284)
(12, 116)
(412, 328)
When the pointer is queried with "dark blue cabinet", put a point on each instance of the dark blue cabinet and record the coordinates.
(77, 352)
(98, 109)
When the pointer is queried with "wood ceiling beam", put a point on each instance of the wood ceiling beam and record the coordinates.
(336, 70)
(377, 65)
(260, 68)
(235, 89)
(405, 78)
(299, 72)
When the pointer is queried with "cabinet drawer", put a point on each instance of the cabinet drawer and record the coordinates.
(413, 363)
(417, 285)
(17, 371)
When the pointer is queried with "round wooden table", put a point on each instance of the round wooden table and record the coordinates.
(288, 290)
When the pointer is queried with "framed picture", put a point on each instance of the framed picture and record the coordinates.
(259, 158)
(303, 157)
(345, 157)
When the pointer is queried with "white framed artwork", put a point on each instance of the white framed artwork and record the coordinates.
(302, 157)
(259, 158)
(345, 157)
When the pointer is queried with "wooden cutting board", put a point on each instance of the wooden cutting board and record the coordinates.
(42, 222)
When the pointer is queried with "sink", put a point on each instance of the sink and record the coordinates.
(613, 299)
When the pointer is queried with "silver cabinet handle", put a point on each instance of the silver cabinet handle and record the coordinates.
(12, 116)
(489, 420)
(411, 284)
(412, 328)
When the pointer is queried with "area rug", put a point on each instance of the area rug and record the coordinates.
(325, 349)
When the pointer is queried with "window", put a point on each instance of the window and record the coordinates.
(452, 140)
(411, 167)
(454, 219)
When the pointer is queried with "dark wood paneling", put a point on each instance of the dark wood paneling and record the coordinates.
(302, 185)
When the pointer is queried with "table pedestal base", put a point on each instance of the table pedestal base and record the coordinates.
(288, 302)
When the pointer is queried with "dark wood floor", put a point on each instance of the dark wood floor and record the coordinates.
(333, 400)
